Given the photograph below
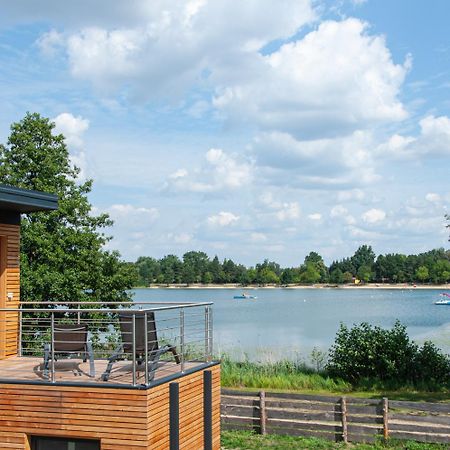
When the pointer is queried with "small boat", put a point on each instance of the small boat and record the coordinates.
(244, 296)
(444, 301)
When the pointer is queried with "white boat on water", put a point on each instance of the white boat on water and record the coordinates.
(245, 296)
(445, 299)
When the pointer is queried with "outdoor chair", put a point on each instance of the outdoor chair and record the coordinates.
(71, 340)
(126, 346)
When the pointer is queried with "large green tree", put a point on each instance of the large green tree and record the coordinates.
(62, 252)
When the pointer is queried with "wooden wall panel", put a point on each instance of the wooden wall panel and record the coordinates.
(191, 413)
(10, 283)
(120, 418)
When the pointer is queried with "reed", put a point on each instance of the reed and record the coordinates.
(297, 376)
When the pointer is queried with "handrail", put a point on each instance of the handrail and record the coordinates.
(162, 308)
(126, 342)
(57, 302)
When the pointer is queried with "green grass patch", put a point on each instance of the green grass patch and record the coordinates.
(237, 440)
(288, 376)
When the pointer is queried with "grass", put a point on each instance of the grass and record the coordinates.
(244, 440)
(292, 376)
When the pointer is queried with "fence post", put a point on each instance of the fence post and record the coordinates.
(262, 412)
(344, 419)
(385, 418)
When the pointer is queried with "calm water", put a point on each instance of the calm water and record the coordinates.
(290, 322)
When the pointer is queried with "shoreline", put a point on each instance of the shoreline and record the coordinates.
(399, 286)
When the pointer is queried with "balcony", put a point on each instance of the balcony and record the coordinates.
(136, 345)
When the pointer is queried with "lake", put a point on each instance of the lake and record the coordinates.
(291, 322)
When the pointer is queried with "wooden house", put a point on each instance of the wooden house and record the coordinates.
(143, 402)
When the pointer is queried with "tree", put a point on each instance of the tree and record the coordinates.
(62, 252)
(364, 273)
(317, 262)
(309, 274)
(364, 256)
(422, 273)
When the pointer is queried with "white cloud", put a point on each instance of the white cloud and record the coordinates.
(433, 140)
(132, 214)
(180, 238)
(339, 162)
(223, 219)
(373, 215)
(342, 213)
(338, 211)
(432, 197)
(258, 237)
(220, 171)
(288, 211)
(50, 42)
(73, 129)
(335, 80)
(351, 195)
(315, 216)
(162, 48)
(281, 210)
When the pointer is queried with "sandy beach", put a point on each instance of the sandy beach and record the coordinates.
(301, 286)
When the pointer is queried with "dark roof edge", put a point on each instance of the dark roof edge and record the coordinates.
(26, 200)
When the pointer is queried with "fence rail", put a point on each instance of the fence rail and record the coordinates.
(345, 419)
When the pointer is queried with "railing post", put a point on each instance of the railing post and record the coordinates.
(262, 412)
(210, 333)
(146, 348)
(134, 346)
(19, 344)
(385, 418)
(344, 420)
(53, 347)
(206, 334)
(182, 339)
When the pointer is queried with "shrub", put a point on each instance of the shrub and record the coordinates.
(371, 352)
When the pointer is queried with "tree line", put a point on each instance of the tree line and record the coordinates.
(364, 266)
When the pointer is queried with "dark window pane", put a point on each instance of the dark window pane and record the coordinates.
(47, 443)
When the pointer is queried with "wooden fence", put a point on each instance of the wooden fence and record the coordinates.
(345, 419)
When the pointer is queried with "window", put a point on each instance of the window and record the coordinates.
(49, 443)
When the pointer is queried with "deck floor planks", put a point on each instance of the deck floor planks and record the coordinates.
(25, 368)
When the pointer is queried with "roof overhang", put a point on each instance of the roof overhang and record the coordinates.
(13, 199)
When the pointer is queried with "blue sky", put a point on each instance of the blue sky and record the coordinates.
(250, 130)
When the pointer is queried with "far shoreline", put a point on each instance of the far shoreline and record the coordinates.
(399, 286)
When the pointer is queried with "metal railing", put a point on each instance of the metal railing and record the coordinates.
(134, 344)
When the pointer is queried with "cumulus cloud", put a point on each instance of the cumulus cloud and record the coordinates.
(73, 129)
(335, 80)
(220, 171)
(341, 212)
(132, 215)
(432, 140)
(340, 162)
(167, 46)
(373, 215)
(281, 210)
(223, 219)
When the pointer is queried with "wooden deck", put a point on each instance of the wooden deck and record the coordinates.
(75, 370)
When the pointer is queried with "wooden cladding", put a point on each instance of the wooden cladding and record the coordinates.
(9, 288)
(120, 418)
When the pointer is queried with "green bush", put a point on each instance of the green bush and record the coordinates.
(370, 352)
